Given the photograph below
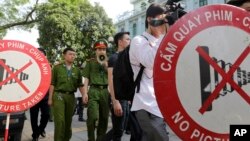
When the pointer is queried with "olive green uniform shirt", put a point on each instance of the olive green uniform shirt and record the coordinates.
(98, 105)
(96, 73)
(66, 80)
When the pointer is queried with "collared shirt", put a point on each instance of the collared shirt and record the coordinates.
(66, 80)
(96, 73)
(143, 51)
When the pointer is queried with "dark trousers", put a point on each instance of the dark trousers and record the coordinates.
(79, 107)
(134, 127)
(34, 111)
(153, 127)
(119, 123)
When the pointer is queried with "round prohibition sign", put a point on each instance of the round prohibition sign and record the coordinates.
(202, 73)
(25, 76)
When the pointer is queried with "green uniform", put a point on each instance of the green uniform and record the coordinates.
(65, 83)
(98, 107)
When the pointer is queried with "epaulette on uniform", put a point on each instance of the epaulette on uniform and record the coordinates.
(58, 64)
(91, 59)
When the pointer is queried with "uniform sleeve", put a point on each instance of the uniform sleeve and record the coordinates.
(79, 81)
(54, 76)
(86, 71)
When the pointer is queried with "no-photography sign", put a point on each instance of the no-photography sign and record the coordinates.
(202, 73)
(25, 76)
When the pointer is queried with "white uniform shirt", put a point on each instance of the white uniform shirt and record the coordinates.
(143, 51)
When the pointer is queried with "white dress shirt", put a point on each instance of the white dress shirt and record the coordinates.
(143, 51)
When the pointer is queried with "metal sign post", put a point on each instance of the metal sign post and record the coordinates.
(6, 135)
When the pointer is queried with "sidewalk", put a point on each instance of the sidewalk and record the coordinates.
(79, 131)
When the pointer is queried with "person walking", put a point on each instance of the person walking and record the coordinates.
(96, 77)
(142, 51)
(79, 105)
(119, 108)
(39, 129)
(66, 78)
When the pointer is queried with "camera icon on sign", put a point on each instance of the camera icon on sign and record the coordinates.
(4, 74)
(209, 79)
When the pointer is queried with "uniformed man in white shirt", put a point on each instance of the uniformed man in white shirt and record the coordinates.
(142, 51)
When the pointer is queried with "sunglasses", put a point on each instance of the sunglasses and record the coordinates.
(156, 22)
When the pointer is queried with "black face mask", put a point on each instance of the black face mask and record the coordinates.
(155, 22)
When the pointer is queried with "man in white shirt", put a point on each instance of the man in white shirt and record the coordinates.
(143, 51)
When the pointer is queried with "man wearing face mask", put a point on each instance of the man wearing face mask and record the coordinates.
(142, 52)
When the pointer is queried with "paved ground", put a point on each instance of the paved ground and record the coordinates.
(79, 131)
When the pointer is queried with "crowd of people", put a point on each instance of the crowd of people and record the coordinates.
(96, 90)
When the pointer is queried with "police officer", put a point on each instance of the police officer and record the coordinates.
(95, 74)
(66, 78)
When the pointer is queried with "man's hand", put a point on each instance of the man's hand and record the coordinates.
(50, 102)
(85, 99)
(117, 108)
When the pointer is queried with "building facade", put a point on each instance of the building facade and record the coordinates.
(134, 21)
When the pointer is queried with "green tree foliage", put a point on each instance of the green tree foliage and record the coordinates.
(17, 13)
(72, 23)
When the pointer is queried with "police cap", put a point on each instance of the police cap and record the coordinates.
(101, 44)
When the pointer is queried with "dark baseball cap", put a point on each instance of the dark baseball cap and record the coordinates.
(154, 10)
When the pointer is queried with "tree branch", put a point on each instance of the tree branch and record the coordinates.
(6, 26)
(24, 22)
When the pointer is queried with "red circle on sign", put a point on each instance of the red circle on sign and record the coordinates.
(168, 57)
(25, 76)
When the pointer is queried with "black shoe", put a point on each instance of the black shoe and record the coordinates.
(43, 134)
(81, 119)
(77, 113)
(127, 132)
(35, 139)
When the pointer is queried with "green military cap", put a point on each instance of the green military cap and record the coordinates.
(102, 43)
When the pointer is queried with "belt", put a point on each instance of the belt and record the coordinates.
(66, 92)
(99, 86)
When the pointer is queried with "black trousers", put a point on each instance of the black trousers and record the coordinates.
(34, 112)
(119, 123)
(79, 107)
